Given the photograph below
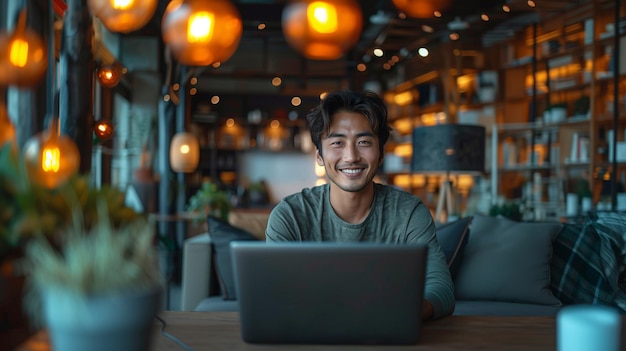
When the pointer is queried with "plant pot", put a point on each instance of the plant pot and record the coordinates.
(119, 321)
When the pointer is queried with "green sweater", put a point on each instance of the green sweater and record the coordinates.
(396, 217)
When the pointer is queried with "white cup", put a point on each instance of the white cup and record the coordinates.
(588, 328)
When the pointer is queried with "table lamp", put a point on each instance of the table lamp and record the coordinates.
(448, 149)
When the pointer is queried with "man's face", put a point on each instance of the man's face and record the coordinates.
(350, 152)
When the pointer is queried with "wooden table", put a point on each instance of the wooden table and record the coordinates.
(218, 331)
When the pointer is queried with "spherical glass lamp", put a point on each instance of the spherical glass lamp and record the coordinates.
(184, 152)
(201, 33)
(123, 16)
(23, 56)
(51, 159)
(322, 30)
(421, 8)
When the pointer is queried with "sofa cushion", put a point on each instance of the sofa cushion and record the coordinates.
(589, 261)
(508, 261)
(222, 234)
(452, 238)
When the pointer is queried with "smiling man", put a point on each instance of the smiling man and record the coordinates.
(349, 131)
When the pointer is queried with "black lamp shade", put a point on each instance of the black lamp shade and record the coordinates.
(453, 148)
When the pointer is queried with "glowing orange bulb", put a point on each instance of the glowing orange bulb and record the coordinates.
(19, 53)
(322, 17)
(122, 4)
(200, 27)
(51, 160)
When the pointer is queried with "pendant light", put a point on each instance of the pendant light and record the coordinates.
(200, 32)
(23, 56)
(184, 152)
(421, 8)
(322, 29)
(51, 158)
(123, 16)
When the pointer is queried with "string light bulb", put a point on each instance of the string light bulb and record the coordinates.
(109, 75)
(103, 129)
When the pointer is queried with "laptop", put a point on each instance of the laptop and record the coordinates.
(329, 292)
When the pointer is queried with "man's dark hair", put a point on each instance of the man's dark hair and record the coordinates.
(367, 103)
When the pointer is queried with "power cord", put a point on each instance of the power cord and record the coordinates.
(172, 337)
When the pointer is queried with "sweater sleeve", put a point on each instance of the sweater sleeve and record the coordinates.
(439, 289)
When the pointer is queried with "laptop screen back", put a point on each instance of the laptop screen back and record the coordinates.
(329, 293)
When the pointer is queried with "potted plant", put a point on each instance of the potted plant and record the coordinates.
(89, 261)
(210, 200)
(98, 288)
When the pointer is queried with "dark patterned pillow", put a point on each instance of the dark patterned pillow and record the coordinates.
(452, 238)
(222, 234)
(587, 261)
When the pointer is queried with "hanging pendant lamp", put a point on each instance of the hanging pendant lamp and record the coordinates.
(123, 16)
(23, 56)
(201, 33)
(184, 152)
(322, 29)
(51, 159)
(421, 8)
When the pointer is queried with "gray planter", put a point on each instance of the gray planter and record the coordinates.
(120, 321)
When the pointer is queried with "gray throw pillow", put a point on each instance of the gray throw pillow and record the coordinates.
(508, 261)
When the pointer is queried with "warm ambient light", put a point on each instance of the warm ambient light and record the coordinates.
(404, 98)
(51, 159)
(322, 30)
(201, 33)
(184, 152)
(23, 56)
(123, 16)
(420, 8)
(103, 129)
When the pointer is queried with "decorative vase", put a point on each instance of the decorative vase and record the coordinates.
(119, 321)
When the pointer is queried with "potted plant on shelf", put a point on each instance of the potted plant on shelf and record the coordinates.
(88, 261)
(210, 200)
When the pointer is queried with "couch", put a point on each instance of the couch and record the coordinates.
(499, 266)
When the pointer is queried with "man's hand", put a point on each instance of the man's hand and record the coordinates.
(427, 310)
